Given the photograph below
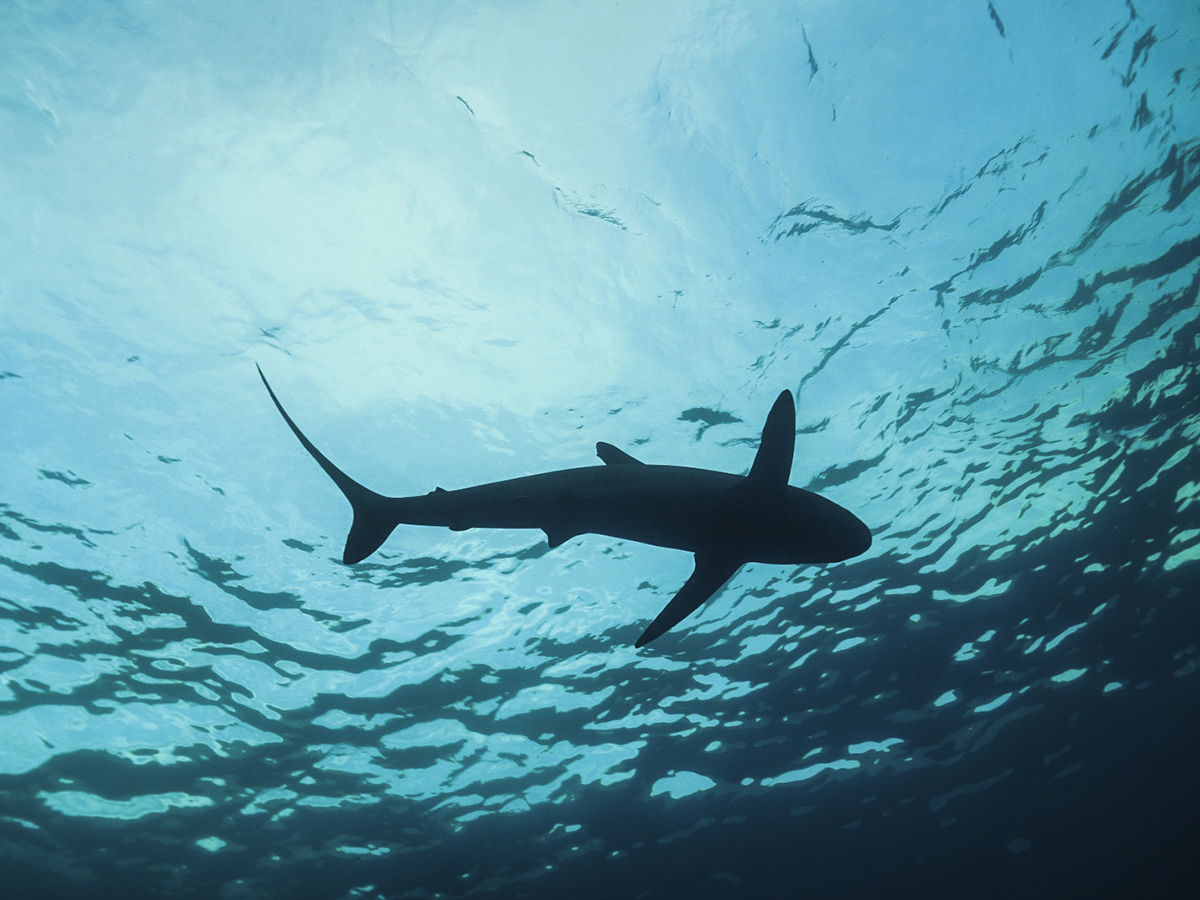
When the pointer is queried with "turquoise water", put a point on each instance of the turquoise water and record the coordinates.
(466, 242)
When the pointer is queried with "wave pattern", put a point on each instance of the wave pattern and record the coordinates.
(462, 716)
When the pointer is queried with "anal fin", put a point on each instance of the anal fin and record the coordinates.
(709, 576)
(557, 536)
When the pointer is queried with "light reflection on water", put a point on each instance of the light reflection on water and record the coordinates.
(994, 347)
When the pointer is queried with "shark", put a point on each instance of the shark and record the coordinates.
(725, 520)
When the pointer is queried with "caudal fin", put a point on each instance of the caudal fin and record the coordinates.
(374, 514)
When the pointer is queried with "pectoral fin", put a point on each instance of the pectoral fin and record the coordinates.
(710, 576)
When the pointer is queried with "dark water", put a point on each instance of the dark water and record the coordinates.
(469, 243)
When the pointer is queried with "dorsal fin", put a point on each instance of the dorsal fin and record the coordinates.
(773, 463)
(613, 456)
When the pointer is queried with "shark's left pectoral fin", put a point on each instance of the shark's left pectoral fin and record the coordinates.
(710, 575)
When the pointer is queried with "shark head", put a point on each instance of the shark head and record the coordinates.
(814, 525)
(794, 526)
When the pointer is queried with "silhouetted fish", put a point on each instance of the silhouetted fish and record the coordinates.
(725, 520)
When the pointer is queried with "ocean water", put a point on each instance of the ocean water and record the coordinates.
(466, 241)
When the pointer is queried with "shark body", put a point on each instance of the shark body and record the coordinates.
(725, 520)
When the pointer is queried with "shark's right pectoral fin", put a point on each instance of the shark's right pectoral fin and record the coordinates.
(710, 575)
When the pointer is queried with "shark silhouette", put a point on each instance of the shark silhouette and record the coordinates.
(725, 520)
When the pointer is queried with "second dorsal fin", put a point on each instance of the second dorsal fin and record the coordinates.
(613, 456)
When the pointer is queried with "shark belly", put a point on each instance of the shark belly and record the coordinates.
(668, 506)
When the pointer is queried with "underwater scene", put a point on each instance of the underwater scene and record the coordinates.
(466, 242)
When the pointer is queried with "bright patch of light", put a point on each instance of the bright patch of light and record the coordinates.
(799, 662)
(79, 803)
(998, 702)
(848, 643)
(681, 784)
(966, 652)
(369, 850)
(877, 746)
(1058, 640)
(810, 772)
(1187, 554)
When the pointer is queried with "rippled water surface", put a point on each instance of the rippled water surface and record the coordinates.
(466, 242)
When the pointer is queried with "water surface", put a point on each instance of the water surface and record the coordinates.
(468, 241)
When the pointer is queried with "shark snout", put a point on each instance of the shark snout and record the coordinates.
(854, 537)
(859, 536)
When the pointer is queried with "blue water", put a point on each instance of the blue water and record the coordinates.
(466, 242)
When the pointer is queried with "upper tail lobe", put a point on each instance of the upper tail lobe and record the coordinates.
(374, 514)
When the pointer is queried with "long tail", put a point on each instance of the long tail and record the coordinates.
(374, 514)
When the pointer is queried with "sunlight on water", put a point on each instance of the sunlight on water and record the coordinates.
(468, 242)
